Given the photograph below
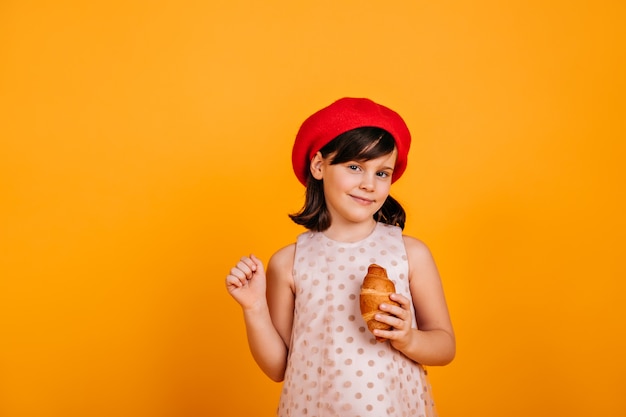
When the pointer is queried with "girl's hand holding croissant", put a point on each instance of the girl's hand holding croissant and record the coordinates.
(246, 282)
(400, 320)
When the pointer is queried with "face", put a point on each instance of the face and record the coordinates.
(355, 190)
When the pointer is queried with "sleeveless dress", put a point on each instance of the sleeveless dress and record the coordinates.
(335, 365)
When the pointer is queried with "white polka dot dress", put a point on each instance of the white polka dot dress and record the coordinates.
(335, 366)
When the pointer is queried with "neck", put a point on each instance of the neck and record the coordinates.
(352, 232)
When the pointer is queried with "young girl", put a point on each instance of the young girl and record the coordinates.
(302, 316)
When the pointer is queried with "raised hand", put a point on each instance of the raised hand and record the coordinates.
(246, 282)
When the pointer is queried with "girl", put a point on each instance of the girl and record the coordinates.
(302, 316)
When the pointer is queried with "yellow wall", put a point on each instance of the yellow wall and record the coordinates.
(145, 147)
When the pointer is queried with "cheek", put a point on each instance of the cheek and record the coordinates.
(384, 187)
(340, 182)
(348, 182)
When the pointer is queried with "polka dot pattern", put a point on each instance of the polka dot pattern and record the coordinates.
(335, 366)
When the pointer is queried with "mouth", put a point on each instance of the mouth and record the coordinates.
(361, 200)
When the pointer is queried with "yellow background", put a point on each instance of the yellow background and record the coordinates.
(145, 147)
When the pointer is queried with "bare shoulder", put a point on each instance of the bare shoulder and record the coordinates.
(283, 257)
(415, 247)
(421, 262)
(280, 265)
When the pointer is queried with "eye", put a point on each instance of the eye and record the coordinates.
(383, 174)
(353, 167)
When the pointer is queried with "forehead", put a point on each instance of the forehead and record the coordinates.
(387, 160)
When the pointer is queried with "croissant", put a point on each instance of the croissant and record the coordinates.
(374, 291)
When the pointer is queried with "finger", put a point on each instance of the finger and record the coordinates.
(258, 264)
(394, 310)
(386, 334)
(241, 271)
(233, 281)
(401, 299)
(393, 321)
(403, 315)
(247, 265)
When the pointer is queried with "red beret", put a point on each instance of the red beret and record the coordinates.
(339, 117)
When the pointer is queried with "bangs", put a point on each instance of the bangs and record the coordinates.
(360, 144)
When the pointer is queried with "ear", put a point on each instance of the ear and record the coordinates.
(317, 165)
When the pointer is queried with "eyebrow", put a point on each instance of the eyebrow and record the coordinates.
(365, 160)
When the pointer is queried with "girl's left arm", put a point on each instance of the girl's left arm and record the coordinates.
(433, 342)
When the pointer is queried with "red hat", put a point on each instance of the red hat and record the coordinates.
(339, 117)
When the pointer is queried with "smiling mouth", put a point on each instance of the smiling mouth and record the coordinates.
(360, 200)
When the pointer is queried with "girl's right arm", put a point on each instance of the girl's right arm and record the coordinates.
(267, 302)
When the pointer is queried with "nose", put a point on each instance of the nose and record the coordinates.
(367, 183)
